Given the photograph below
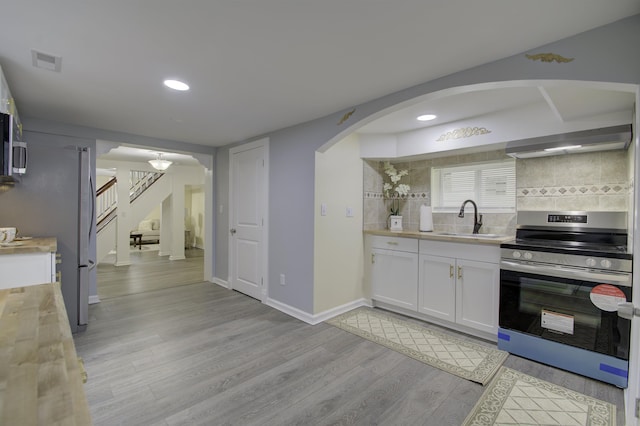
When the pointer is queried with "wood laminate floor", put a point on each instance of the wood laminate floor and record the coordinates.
(148, 272)
(202, 355)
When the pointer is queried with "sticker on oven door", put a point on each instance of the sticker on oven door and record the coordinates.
(607, 297)
(557, 322)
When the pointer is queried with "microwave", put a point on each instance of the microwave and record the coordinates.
(13, 156)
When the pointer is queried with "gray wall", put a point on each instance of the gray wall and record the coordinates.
(221, 221)
(603, 54)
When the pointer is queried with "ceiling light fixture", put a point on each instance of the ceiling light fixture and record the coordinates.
(562, 148)
(176, 85)
(159, 163)
(426, 117)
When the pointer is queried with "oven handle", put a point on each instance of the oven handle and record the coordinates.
(623, 279)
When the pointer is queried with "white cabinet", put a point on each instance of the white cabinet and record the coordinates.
(394, 271)
(477, 295)
(437, 289)
(459, 283)
(22, 269)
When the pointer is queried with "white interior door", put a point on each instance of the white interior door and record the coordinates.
(248, 195)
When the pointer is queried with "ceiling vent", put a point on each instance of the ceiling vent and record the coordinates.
(46, 61)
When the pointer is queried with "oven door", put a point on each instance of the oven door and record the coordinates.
(571, 306)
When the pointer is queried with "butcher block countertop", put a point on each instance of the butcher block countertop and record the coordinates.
(443, 236)
(34, 245)
(40, 375)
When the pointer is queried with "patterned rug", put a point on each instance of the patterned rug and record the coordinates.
(464, 359)
(513, 398)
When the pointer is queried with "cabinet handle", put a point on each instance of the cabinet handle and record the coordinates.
(392, 243)
(459, 272)
(373, 258)
(450, 271)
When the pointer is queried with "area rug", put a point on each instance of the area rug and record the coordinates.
(465, 359)
(514, 398)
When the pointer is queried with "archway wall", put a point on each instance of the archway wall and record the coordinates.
(603, 54)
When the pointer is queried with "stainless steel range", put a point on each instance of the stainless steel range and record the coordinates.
(561, 281)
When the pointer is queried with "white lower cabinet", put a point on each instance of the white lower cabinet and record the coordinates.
(20, 270)
(394, 271)
(458, 289)
(437, 289)
(454, 284)
(477, 295)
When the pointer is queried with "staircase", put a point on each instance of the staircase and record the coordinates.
(146, 192)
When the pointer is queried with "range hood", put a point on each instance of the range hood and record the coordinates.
(607, 138)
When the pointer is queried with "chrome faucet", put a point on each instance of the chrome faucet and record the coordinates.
(477, 223)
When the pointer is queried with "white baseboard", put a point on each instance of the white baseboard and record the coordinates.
(177, 257)
(220, 282)
(122, 263)
(317, 318)
(163, 253)
(338, 310)
(94, 299)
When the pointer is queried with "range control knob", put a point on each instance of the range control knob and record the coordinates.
(516, 255)
(528, 255)
(605, 263)
(591, 262)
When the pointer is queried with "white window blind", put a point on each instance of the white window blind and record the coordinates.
(491, 185)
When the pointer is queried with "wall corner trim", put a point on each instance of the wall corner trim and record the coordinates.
(317, 318)
(220, 282)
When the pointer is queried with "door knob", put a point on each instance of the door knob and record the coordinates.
(232, 231)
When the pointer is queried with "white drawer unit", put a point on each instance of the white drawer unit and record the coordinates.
(394, 243)
(18, 270)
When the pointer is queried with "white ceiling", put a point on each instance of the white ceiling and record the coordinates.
(260, 65)
(143, 155)
(565, 102)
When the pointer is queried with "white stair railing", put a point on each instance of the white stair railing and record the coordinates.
(140, 181)
(107, 195)
(106, 200)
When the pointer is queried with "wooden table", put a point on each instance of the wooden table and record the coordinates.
(40, 374)
(137, 239)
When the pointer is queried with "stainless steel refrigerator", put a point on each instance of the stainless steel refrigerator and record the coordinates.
(56, 198)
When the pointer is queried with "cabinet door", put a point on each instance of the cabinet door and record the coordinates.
(477, 295)
(394, 278)
(437, 288)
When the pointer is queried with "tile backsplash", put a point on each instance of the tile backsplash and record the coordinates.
(588, 181)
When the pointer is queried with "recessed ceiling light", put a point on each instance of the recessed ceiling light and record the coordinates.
(176, 85)
(426, 117)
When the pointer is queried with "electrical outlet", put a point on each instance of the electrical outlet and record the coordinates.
(282, 281)
(349, 211)
(323, 209)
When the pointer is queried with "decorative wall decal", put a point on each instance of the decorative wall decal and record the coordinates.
(463, 132)
(346, 116)
(549, 57)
